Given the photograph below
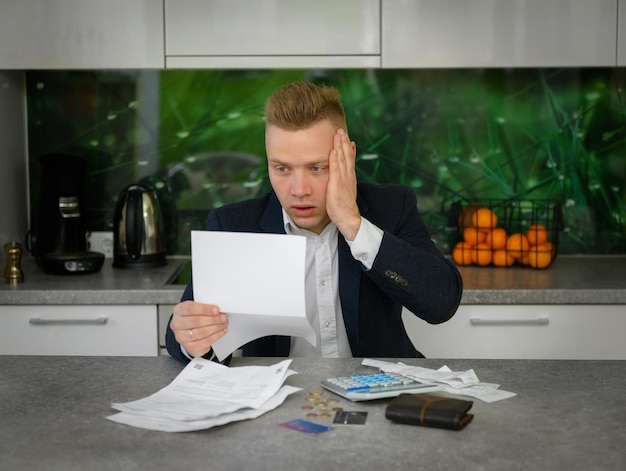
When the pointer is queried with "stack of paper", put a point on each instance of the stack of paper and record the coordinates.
(465, 383)
(206, 394)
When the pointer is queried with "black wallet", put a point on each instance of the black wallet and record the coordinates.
(430, 411)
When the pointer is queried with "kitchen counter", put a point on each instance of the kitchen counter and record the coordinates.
(573, 279)
(108, 286)
(569, 280)
(565, 416)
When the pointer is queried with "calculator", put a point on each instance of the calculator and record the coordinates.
(366, 387)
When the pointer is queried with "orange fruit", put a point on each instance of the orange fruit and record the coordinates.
(517, 244)
(502, 258)
(484, 218)
(473, 235)
(540, 256)
(481, 254)
(537, 234)
(462, 253)
(496, 238)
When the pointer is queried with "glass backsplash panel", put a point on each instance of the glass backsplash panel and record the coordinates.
(452, 135)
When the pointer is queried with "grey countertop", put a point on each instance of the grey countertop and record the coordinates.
(574, 279)
(566, 415)
(569, 280)
(108, 286)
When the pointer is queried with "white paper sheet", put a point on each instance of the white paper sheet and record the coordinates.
(206, 394)
(173, 425)
(257, 279)
(465, 383)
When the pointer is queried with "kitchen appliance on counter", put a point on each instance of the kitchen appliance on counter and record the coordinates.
(138, 233)
(60, 243)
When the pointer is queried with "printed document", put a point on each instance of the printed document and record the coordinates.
(256, 279)
(206, 394)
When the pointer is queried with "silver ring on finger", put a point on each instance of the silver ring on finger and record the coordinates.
(191, 334)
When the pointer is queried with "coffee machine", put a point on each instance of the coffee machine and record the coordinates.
(60, 235)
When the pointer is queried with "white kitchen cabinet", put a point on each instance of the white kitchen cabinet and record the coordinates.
(165, 312)
(94, 330)
(621, 33)
(272, 33)
(590, 332)
(81, 34)
(498, 33)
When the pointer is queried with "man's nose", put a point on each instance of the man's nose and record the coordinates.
(300, 184)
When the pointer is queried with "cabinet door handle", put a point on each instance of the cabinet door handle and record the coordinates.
(477, 321)
(40, 321)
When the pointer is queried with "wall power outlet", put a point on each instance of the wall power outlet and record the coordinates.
(101, 242)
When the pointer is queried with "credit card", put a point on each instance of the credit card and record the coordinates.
(305, 426)
(350, 418)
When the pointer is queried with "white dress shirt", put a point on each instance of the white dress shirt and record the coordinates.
(323, 307)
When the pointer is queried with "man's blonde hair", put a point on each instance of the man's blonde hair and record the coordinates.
(300, 105)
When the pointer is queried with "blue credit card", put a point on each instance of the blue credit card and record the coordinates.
(305, 426)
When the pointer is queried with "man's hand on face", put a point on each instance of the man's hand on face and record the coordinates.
(341, 191)
(197, 326)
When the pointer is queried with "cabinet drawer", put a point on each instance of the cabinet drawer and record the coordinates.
(272, 27)
(79, 330)
(524, 332)
(78, 34)
(503, 33)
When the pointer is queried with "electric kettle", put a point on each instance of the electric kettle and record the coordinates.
(138, 235)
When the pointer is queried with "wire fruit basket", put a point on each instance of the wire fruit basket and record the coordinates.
(505, 233)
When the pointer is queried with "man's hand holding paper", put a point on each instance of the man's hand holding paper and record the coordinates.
(197, 326)
(256, 279)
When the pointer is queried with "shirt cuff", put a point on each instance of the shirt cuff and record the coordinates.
(182, 349)
(366, 244)
(210, 355)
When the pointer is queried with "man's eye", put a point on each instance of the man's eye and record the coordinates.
(281, 169)
(317, 169)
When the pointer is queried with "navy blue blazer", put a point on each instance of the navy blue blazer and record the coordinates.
(408, 271)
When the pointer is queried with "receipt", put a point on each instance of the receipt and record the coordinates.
(465, 383)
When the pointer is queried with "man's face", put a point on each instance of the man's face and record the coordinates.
(298, 170)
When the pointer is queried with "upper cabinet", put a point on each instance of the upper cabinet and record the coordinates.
(621, 34)
(272, 33)
(81, 34)
(499, 33)
(305, 34)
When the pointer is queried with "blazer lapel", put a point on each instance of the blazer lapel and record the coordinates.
(350, 271)
(272, 222)
(349, 281)
(272, 219)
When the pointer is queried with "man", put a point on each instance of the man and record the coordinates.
(368, 251)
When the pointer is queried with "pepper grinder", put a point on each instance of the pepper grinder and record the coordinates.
(13, 273)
